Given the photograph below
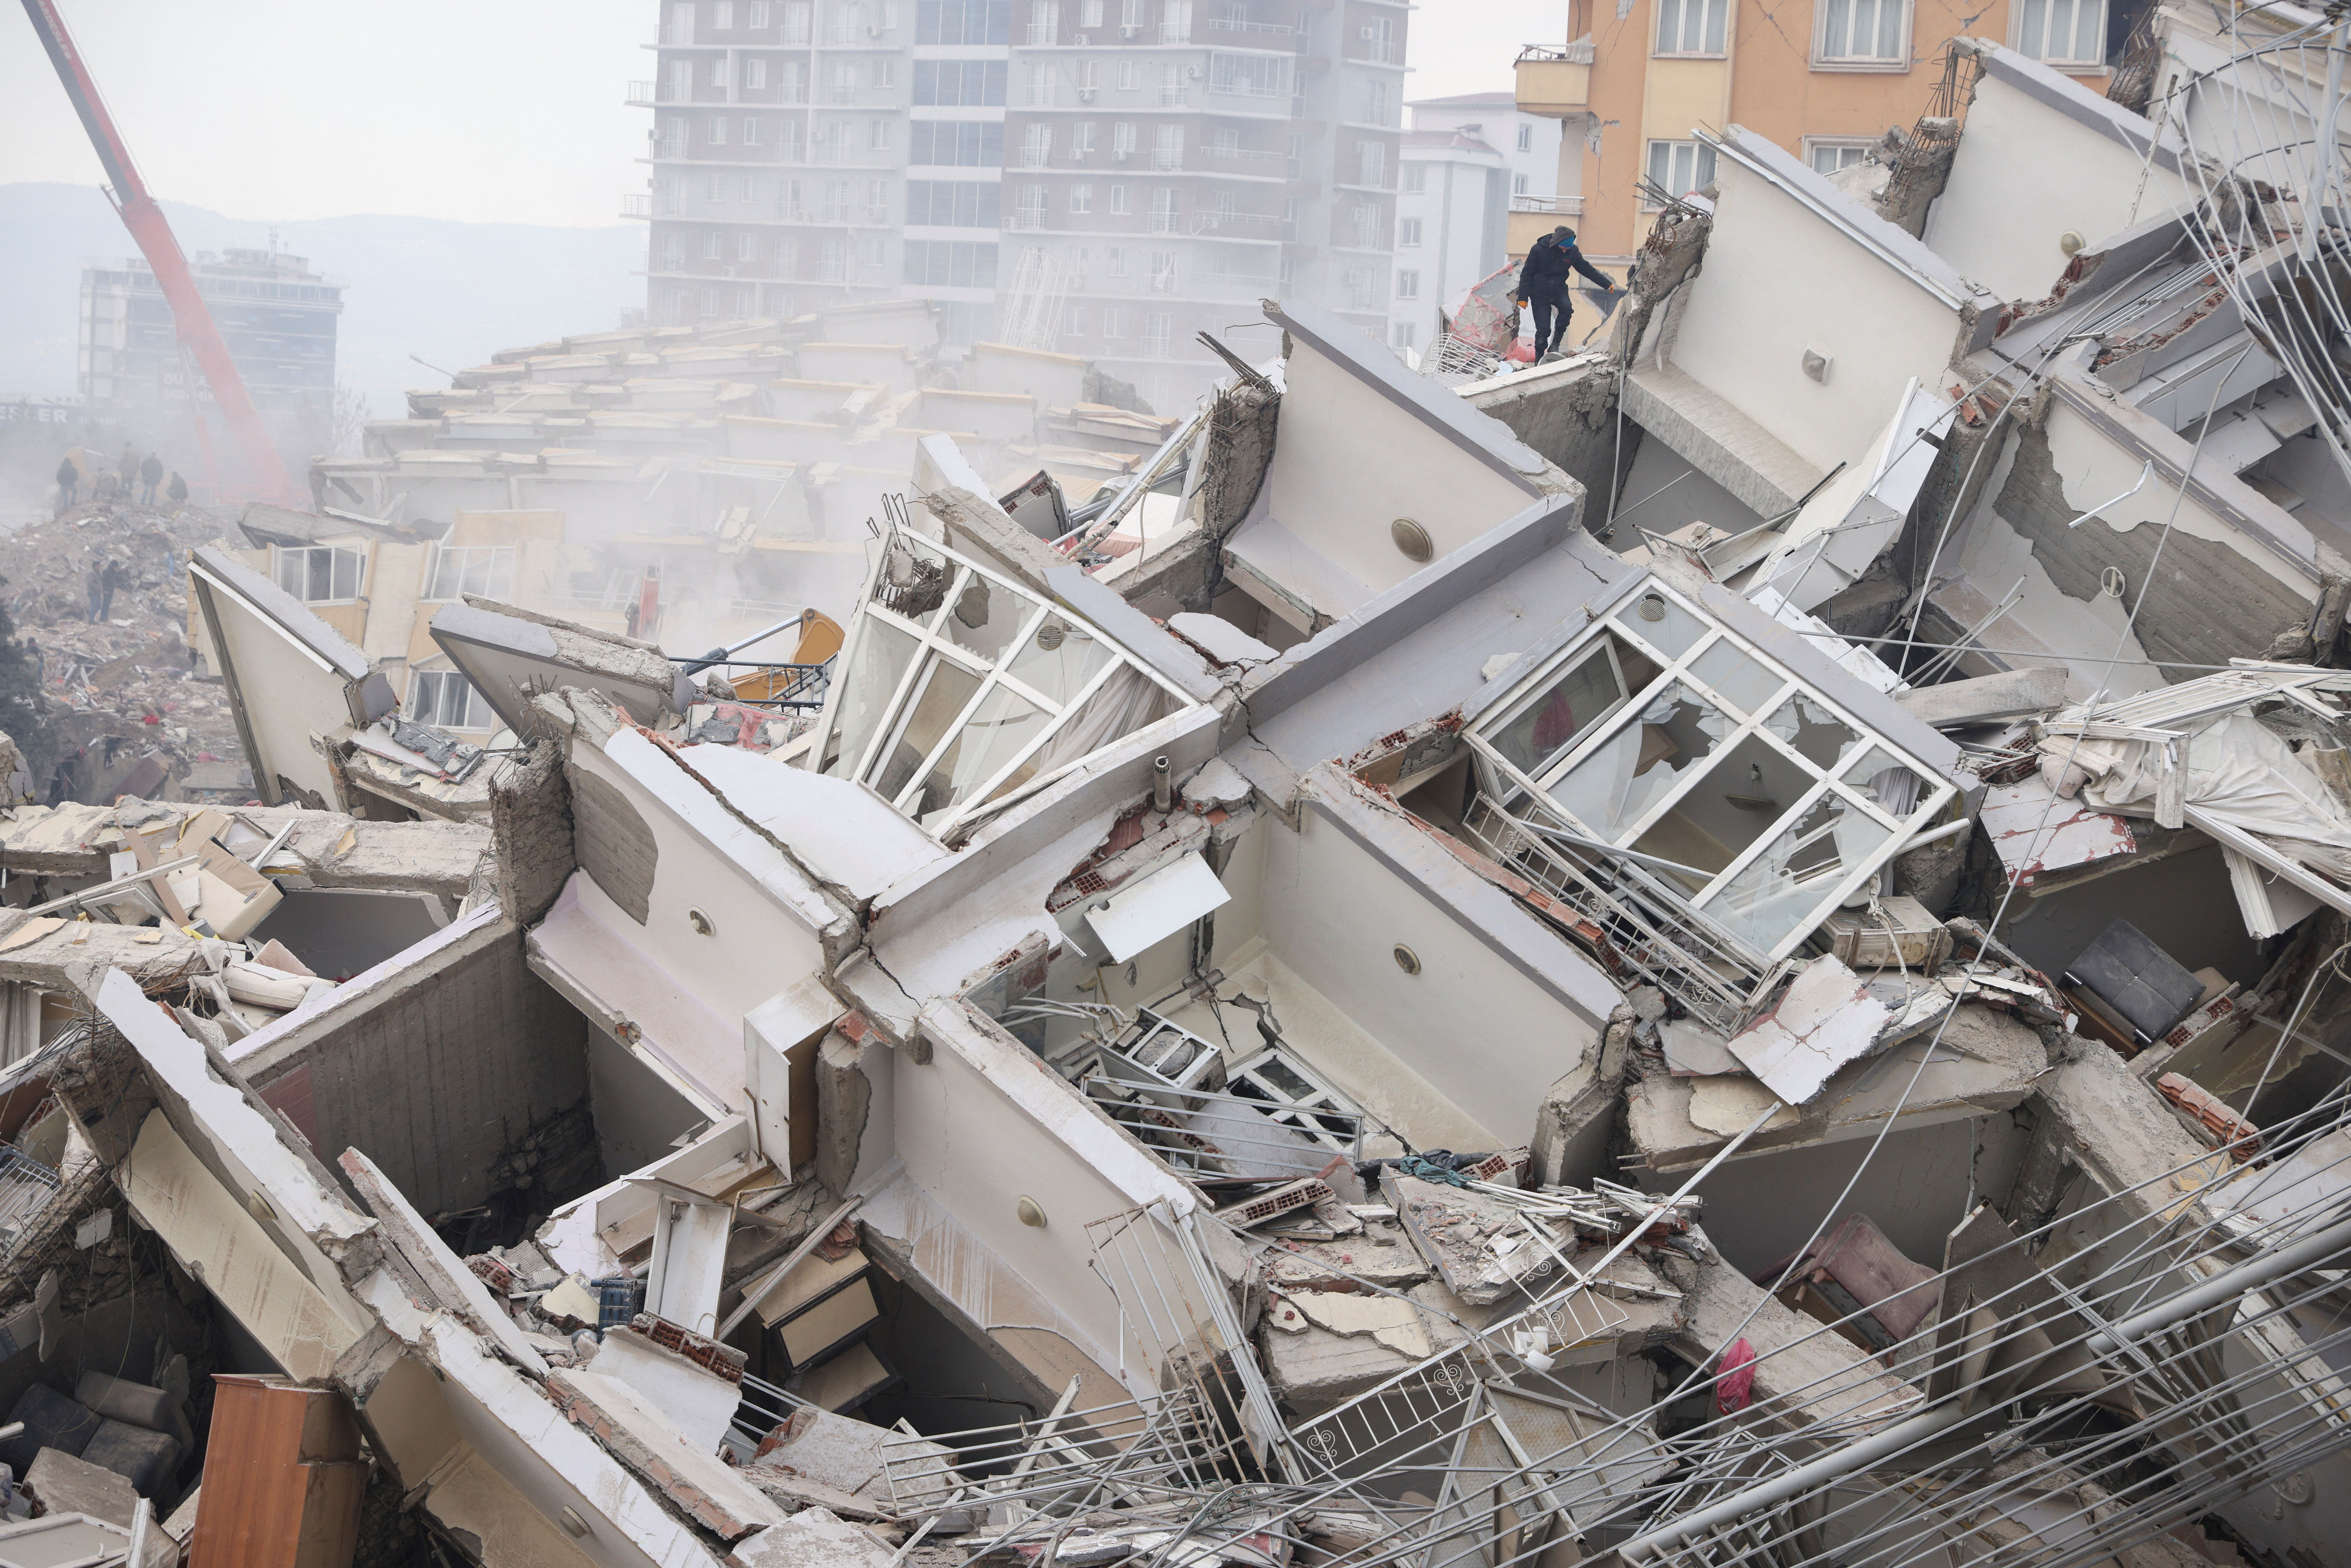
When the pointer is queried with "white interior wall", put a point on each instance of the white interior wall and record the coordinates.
(1784, 280)
(2025, 173)
(1470, 1023)
(288, 697)
(1320, 488)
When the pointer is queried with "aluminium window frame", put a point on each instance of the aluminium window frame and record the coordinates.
(1515, 789)
(1656, 32)
(932, 644)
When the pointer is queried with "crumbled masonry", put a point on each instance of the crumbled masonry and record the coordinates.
(1377, 1002)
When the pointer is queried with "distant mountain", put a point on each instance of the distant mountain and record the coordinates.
(449, 292)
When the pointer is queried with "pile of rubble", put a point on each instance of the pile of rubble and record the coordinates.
(128, 706)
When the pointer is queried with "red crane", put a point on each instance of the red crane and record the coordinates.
(144, 218)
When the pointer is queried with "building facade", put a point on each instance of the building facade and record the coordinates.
(1824, 82)
(276, 315)
(1099, 177)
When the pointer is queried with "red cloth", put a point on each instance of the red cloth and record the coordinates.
(1735, 1382)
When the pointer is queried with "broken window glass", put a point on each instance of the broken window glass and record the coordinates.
(982, 620)
(1786, 889)
(1886, 781)
(1816, 735)
(997, 730)
(1742, 796)
(1736, 677)
(941, 693)
(960, 687)
(879, 656)
(1058, 658)
(1590, 689)
(1610, 790)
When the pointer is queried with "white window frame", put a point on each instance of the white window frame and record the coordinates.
(1815, 145)
(284, 563)
(1526, 138)
(428, 698)
(496, 564)
(2029, 36)
(1408, 233)
(935, 648)
(1408, 283)
(1840, 779)
(1832, 52)
(1692, 29)
(1702, 168)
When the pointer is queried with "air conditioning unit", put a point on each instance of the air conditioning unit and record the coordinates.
(1130, 29)
(1083, 39)
(873, 32)
(1192, 72)
(1122, 157)
(1085, 95)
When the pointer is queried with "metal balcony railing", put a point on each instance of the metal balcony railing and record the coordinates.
(636, 206)
(1575, 53)
(1563, 206)
(640, 94)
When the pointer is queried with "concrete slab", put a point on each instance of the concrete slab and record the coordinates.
(1987, 699)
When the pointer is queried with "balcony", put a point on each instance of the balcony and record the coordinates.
(670, 147)
(1251, 160)
(637, 206)
(1533, 216)
(639, 95)
(1555, 82)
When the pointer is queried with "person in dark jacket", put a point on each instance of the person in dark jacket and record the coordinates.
(1543, 284)
(179, 490)
(151, 473)
(115, 578)
(68, 481)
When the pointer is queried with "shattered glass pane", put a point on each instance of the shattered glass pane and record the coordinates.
(1817, 734)
(994, 735)
(1058, 660)
(1784, 890)
(941, 690)
(1744, 796)
(983, 616)
(870, 677)
(1587, 692)
(1741, 681)
(1886, 782)
(1632, 769)
(1661, 624)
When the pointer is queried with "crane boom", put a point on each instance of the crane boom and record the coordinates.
(144, 218)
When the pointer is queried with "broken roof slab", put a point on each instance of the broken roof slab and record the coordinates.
(502, 652)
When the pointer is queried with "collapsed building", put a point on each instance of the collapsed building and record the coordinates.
(1463, 975)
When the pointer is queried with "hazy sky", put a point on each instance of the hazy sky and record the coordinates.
(503, 110)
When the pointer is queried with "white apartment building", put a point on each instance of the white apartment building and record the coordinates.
(1468, 162)
(1160, 165)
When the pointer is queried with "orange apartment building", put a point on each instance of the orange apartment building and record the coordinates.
(1823, 79)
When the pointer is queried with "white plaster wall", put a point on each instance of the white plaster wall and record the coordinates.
(1322, 489)
(985, 1124)
(762, 914)
(288, 697)
(1782, 279)
(1488, 1036)
(2024, 174)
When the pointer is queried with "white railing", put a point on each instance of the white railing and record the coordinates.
(636, 206)
(1561, 206)
(1575, 53)
(1244, 154)
(641, 92)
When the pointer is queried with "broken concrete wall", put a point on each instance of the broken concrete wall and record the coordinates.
(460, 1072)
(2221, 591)
(530, 813)
(1569, 414)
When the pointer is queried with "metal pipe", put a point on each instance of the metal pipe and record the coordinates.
(2223, 1287)
(1162, 786)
